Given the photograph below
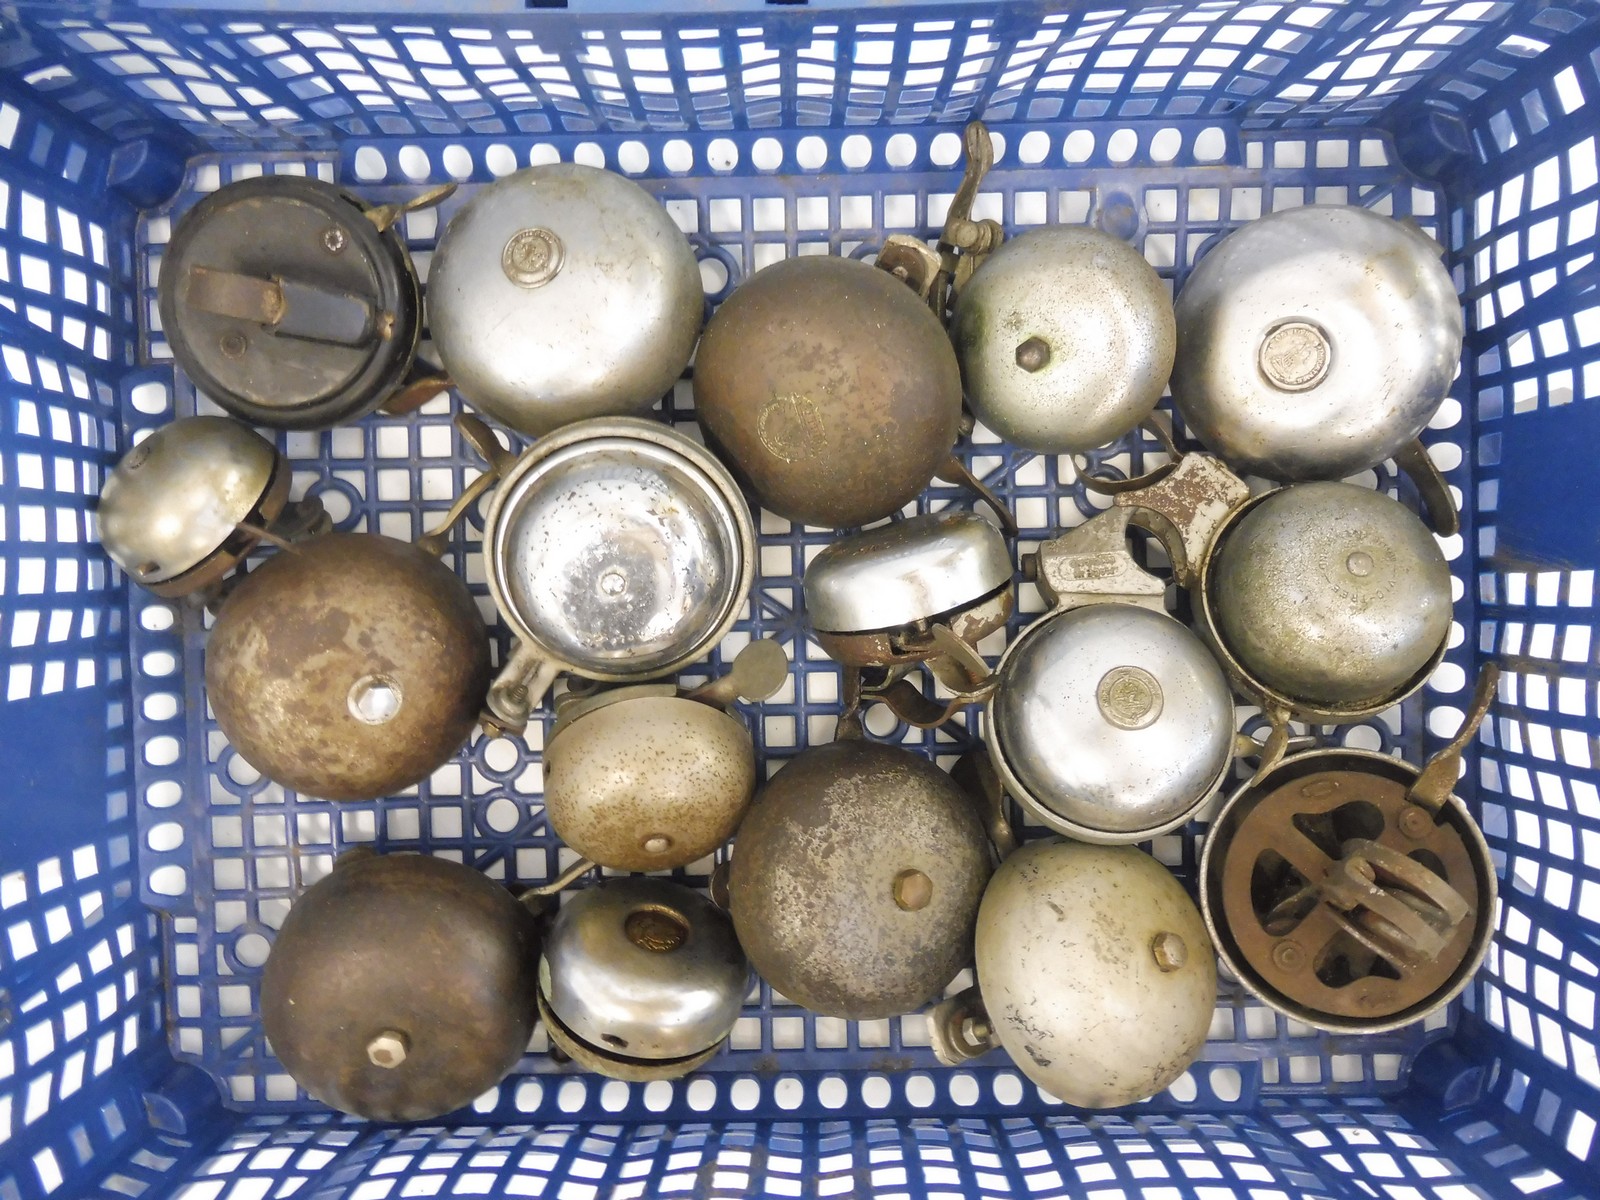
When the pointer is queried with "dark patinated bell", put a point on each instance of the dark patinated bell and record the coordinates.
(401, 987)
(348, 667)
(832, 387)
(856, 879)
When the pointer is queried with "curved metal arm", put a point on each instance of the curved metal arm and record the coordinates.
(1439, 773)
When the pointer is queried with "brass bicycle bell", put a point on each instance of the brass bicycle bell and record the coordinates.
(1094, 973)
(1350, 890)
(563, 292)
(615, 549)
(1065, 337)
(401, 987)
(856, 877)
(648, 778)
(1317, 342)
(293, 303)
(350, 666)
(188, 504)
(831, 387)
(641, 979)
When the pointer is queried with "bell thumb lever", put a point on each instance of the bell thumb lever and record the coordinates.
(756, 674)
(1439, 774)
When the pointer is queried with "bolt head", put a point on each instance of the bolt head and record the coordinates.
(1033, 354)
(334, 239)
(1169, 950)
(388, 1049)
(913, 891)
(657, 843)
(233, 345)
(1415, 822)
(1288, 956)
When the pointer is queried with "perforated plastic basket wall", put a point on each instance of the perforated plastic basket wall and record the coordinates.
(144, 866)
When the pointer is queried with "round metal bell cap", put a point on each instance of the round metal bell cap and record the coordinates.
(401, 987)
(178, 497)
(643, 969)
(1096, 971)
(905, 571)
(1065, 337)
(855, 880)
(348, 667)
(1111, 723)
(622, 549)
(831, 387)
(1336, 597)
(1315, 342)
(648, 783)
(563, 292)
(284, 303)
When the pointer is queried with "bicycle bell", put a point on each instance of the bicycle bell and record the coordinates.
(615, 549)
(563, 292)
(641, 979)
(1316, 342)
(925, 589)
(648, 778)
(1065, 337)
(401, 987)
(292, 303)
(1109, 721)
(188, 504)
(856, 877)
(831, 387)
(1350, 890)
(349, 667)
(1094, 973)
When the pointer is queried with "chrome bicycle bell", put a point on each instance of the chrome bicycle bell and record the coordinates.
(856, 877)
(1094, 973)
(831, 387)
(647, 778)
(1350, 890)
(1065, 337)
(401, 987)
(615, 549)
(563, 292)
(1316, 342)
(188, 504)
(925, 589)
(1108, 721)
(641, 979)
(292, 303)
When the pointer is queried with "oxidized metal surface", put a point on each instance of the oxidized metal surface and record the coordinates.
(1315, 342)
(1065, 337)
(831, 387)
(619, 548)
(177, 498)
(285, 304)
(1096, 971)
(1342, 903)
(648, 783)
(348, 667)
(563, 292)
(643, 969)
(906, 571)
(1111, 722)
(416, 962)
(914, 644)
(1333, 597)
(825, 890)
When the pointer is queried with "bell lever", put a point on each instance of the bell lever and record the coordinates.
(483, 441)
(1413, 458)
(975, 772)
(418, 388)
(957, 472)
(383, 216)
(1439, 774)
(435, 540)
(756, 674)
(287, 308)
(964, 243)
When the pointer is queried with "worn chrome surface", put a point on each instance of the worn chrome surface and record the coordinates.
(905, 571)
(1341, 902)
(1096, 971)
(1065, 337)
(831, 387)
(401, 987)
(1333, 596)
(563, 292)
(177, 497)
(643, 968)
(348, 667)
(648, 783)
(1315, 342)
(619, 548)
(825, 890)
(1111, 723)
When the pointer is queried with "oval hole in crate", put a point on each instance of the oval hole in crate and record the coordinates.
(1122, 145)
(789, 1093)
(251, 949)
(163, 793)
(945, 149)
(156, 617)
(542, 153)
(1008, 1088)
(811, 153)
(589, 154)
(500, 159)
(1034, 146)
(722, 154)
(658, 1095)
(1183, 1088)
(701, 1094)
(1165, 145)
(1210, 144)
(713, 276)
(1077, 146)
(900, 150)
(571, 1097)
(457, 161)
(500, 754)
(487, 1102)
(1448, 678)
(876, 1092)
(833, 1092)
(767, 154)
(1363, 737)
(677, 156)
(964, 1090)
(856, 151)
(169, 881)
(1445, 720)
(920, 1091)
(165, 837)
(502, 815)
(633, 158)
(241, 772)
(1226, 1083)
(414, 162)
(149, 398)
(162, 751)
(614, 1095)
(745, 1094)
(158, 663)
(370, 163)
(160, 706)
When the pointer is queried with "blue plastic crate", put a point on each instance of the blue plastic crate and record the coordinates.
(144, 867)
